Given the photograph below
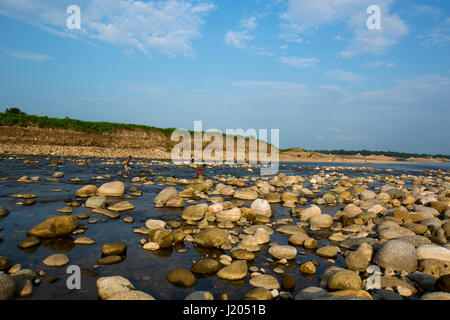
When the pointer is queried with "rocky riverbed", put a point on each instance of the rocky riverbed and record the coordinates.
(313, 231)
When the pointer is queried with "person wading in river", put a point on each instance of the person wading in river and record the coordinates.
(126, 163)
(200, 171)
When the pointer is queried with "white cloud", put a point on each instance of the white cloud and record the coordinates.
(380, 64)
(299, 62)
(305, 17)
(28, 56)
(237, 39)
(269, 84)
(169, 26)
(342, 75)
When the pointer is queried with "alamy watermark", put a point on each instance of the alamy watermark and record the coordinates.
(374, 20)
(73, 22)
(241, 146)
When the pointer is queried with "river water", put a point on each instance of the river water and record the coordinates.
(146, 270)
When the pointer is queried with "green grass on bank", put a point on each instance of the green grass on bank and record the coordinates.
(16, 117)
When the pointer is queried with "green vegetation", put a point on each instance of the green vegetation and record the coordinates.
(14, 116)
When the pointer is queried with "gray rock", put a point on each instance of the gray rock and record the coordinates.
(311, 293)
(397, 255)
(3, 212)
(387, 294)
(111, 286)
(7, 287)
(200, 296)
(96, 202)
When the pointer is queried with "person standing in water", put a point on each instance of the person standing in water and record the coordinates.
(200, 171)
(126, 163)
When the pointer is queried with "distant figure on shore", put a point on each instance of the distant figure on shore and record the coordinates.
(126, 164)
(200, 171)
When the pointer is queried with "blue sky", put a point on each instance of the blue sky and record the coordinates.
(309, 68)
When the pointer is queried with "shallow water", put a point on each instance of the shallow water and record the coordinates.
(146, 270)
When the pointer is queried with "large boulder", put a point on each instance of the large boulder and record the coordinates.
(360, 259)
(322, 220)
(261, 207)
(283, 252)
(345, 280)
(245, 194)
(433, 252)
(195, 212)
(55, 227)
(231, 215)
(182, 277)
(164, 196)
(108, 287)
(96, 202)
(86, 191)
(7, 287)
(112, 189)
(211, 238)
(237, 270)
(397, 255)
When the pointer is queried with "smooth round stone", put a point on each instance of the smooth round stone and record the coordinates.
(310, 293)
(291, 229)
(215, 208)
(212, 237)
(182, 277)
(265, 281)
(82, 216)
(110, 260)
(252, 229)
(56, 260)
(5, 263)
(114, 248)
(206, 266)
(397, 255)
(86, 191)
(283, 252)
(30, 242)
(153, 224)
(249, 243)
(261, 236)
(298, 239)
(128, 220)
(111, 189)
(132, 295)
(322, 220)
(345, 280)
(3, 212)
(242, 254)
(195, 212)
(433, 252)
(436, 296)
(7, 287)
(96, 202)
(151, 246)
(121, 206)
(237, 270)
(200, 296)
(328, 251)
(258, 294)
(111, 286)
(261, 207)
(176, 202)
(308, 268)
(231, 215)
(84, 241)
(55, 227)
